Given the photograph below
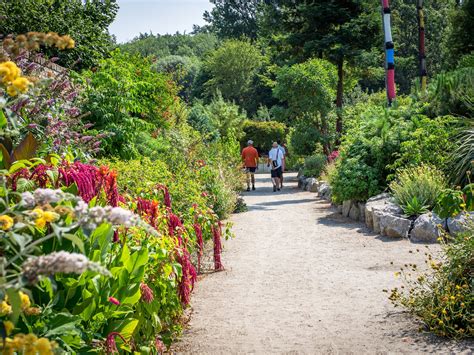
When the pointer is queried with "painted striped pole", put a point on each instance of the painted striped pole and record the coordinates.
(389, 53)
(421, 44)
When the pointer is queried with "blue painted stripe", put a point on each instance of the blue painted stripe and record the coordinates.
(390, 55)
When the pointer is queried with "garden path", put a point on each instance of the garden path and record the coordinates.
(300, 278)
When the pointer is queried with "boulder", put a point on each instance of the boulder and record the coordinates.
(375, 220)
(346, 208)
(339, 209)
(383, 203)
(426, 228)
(314, 186)
(393, 226)
(354, 213)
(362, 211)
(462, 223)
(324, 190)
(301, 181)
(310, 183)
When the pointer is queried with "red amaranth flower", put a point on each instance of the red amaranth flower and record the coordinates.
(159, 345)
(200, 242)
(147, 293)
(216, 233)
(40, 176)
(149, 210)
(167, 197)
(114, 301)
(175, 226)
(111, 345)
(188, 278)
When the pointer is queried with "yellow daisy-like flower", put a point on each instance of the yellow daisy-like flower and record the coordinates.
(38, 212)
(9, 71)
(6, 222)
(8, 326)
(40, 223)
(21, 84)
(12, 91)
(25, 300)
(50, 216)
(5, 308)
(43, 346)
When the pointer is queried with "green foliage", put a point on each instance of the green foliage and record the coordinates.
(125, 97)
(452, 202)
(463, 156)
(418, 187)
(263, 134)
(305, 139)
(314, 165)
(233, 19)
(86, 22)
(442, 297)
(232, 68)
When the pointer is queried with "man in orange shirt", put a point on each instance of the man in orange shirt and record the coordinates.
(250, 159)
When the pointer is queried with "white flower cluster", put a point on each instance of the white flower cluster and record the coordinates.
(59, 262)
(45, 196)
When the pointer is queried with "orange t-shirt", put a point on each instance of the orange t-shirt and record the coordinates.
(250, 157)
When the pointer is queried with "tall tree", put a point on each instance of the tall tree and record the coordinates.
(85, 21)
(338, 30)
(233, 18)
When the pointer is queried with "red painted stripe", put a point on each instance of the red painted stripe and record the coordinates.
(385, 4)
(391, 84)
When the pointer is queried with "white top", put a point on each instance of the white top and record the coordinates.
(282, 150)
(276, 154)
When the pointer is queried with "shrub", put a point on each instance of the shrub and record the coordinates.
(442, 298)
(263, 134)
(314, 165)
(419, 186)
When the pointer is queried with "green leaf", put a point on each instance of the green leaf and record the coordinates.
(3, 119)
(15, 302)
(72, 189)
(26, 149)
(16, 166)
(76, 241)
(125, 327)
(6, 160)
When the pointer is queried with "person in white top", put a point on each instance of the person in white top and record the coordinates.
(283, 151)
(275, 160)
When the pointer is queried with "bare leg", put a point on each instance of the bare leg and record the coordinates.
(252, 176)
(248, 180)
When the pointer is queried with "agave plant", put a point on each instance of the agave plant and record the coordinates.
(463, 156)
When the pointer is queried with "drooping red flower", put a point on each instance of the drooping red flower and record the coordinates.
(200, 242)
(111, 345)
(167, 196)
(149, 210)
(217, 233)
(189, 275)
(175, 226)
(147, 293)
(40, 176)
(85, 176)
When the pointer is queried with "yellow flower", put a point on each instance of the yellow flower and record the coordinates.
(50, 216)
(25, 300)
(8, 326)
(9, 71)
(444, 311)
(440, 322)
(38, 212)
(6, 222)
(21, 84)
(43, 346)
(5, 308)
(12, 91)
(452, 298)
(18, 341)
(40, 223)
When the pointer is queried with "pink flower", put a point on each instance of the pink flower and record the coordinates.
(110, 343)
(114, 301)
(147, 293)
(160, 346)
(204, 194)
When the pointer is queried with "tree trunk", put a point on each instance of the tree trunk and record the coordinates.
(340, 93)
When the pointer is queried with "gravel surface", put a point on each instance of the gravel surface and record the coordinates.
(300, 278)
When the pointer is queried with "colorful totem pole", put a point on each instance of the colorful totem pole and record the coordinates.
(389, 53)
(421, 44)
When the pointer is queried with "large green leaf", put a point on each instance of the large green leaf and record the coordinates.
(6, 160)
(3, 119)
(125, 327)
(15, 302)
(26, 149)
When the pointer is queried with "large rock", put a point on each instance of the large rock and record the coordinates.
(354, 213)
(361, 211)
(324, 190)
(393, 226)
(462, 223)
(339, 209)
(314, 186)
(346, 208)
(427, 228)
(382, 203)
(301, 181)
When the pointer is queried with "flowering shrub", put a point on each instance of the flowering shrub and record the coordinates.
(442, 297)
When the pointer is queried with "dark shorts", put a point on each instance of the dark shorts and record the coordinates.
(250, 170)
(276, 173)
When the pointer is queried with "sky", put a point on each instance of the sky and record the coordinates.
(158, 16)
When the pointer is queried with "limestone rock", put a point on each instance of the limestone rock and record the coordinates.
(383, 203)
(324, 190)
(393, 226)
(354, 213)
(361, 211)
(339, 209)
(426, 228)
(346, 208)
(461, 223)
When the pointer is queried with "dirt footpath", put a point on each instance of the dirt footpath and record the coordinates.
(302, 279)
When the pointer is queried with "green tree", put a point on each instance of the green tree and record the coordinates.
(338, 30)
(233, 18)
(232, 69)
(226, 117)
(85, 21)
(308, 89)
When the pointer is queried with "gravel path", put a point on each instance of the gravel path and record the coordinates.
(302, 279)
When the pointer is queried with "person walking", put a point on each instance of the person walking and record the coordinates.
(250, 159)
(283, 163)
(275, 160)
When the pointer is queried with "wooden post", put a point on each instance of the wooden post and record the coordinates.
(389, 53)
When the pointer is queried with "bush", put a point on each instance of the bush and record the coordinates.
(419, 186)
(314, 165)
(442, 298)
(263, 134)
